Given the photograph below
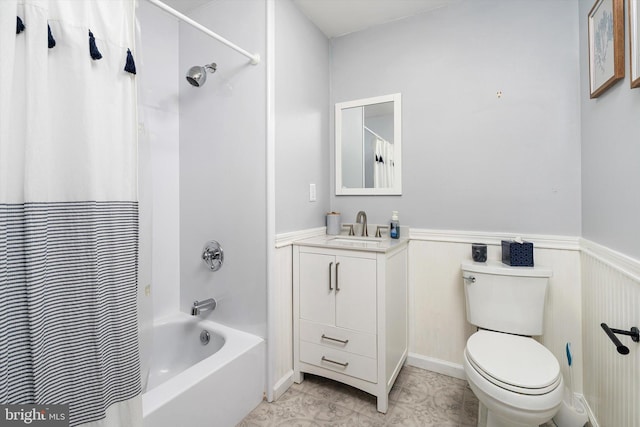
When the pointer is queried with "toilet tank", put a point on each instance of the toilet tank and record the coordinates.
(504, 298)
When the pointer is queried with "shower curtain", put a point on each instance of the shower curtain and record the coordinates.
(384, 164)
(68, 210)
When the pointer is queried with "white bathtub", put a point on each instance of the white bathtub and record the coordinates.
(197, 385)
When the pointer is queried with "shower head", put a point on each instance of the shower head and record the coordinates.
(197, 75)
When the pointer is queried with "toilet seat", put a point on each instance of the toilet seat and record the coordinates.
(515, 363)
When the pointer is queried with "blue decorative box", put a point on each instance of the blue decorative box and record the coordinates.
(517, 254)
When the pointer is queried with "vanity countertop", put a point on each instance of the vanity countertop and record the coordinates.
(356, 243)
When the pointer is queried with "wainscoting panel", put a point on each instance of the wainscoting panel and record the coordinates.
(590, 284)
(283, 308)
(283, 344)
(611, 294)
(438, 329)
(437, 315)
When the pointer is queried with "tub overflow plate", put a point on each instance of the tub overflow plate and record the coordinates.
(205, 337)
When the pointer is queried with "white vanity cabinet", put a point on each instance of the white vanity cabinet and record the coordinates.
(350, 313)
(338, 290)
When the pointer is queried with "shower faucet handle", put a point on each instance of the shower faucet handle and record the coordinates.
(213, 255)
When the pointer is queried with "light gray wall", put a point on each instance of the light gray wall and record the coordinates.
(222, 165)
(302, 119)
(610, 156)
(471, 160)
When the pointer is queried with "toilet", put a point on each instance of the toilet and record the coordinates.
(516, 379)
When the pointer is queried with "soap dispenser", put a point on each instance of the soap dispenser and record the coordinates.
(394, 226)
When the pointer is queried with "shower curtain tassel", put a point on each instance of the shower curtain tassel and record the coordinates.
(52, 41)
(93, 49)
(130, 66)
(19, 25)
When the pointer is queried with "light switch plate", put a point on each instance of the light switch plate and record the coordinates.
(312, 192)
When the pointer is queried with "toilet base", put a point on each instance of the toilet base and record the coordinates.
(501, 408)
(487, 418)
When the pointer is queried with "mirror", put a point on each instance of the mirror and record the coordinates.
(368, 146)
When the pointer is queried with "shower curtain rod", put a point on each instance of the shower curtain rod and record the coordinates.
(254, 57)
(374, 134)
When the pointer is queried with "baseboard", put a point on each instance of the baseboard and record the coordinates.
(436, 365)
(282, 385)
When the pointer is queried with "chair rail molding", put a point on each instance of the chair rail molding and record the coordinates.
(286, 239)
(543, 241)
(625, 264)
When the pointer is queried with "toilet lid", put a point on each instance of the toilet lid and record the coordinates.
(520, 362)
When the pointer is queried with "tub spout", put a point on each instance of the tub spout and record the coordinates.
(206, 305)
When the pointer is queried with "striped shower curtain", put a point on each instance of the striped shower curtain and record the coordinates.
(68, 210)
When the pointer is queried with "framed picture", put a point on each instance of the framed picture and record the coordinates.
(634, 43)
(606, 45)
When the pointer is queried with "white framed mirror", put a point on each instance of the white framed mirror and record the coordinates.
(368, 146)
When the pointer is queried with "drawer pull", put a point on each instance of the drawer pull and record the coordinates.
(324, 359)
(324, 337)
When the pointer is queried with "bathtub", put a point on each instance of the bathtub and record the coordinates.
(191, 384)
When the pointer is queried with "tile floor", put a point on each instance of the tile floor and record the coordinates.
(418, 398)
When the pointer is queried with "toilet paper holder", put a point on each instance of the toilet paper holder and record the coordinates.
(634, 333)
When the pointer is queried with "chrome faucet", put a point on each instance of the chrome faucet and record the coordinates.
(206, 305)
(362, 216)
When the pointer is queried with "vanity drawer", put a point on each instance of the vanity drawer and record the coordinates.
(339, 361)
(332, 337)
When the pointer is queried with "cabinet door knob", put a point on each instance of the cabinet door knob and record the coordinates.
(330, 267)
(337, 283)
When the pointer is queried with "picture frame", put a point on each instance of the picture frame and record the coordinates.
(606, 45)
(634, 43)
